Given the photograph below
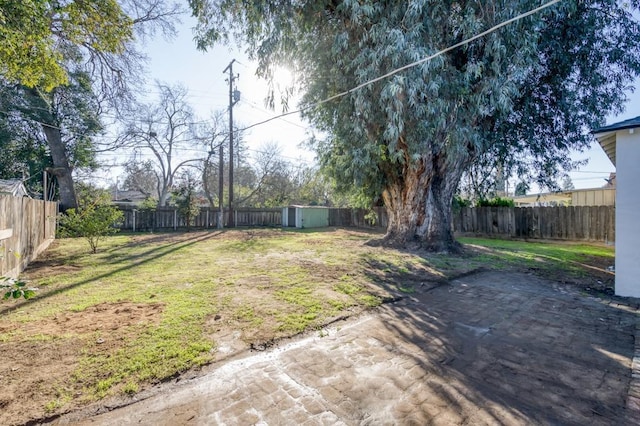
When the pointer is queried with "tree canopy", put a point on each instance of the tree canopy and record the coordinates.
(62, 64)
(34, 32)
(522, 95)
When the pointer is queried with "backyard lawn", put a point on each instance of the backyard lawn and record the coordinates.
(148, 307)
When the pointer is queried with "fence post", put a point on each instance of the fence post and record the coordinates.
(134, 220)
(175, 219)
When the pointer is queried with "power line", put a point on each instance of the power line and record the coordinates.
(256, 107)
(411, 65)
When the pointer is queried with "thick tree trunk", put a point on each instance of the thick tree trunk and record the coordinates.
(61, 168)
(419, 208)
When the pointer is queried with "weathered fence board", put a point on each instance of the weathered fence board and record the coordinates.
(258, 217)
(358, 218)
(579, 223)
(168, 218)
(32, 225)
(588, 223)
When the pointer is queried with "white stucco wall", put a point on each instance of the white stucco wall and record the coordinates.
(628, 213)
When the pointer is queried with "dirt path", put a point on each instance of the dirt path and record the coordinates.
(487, 349)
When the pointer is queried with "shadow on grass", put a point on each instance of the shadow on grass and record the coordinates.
(118, 253)
(405, 276)
(136, 260)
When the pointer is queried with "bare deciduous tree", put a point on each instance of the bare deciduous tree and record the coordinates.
(164, 129)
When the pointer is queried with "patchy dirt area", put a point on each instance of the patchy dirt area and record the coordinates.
(44, 353)
(39, 360)
(596, 276)
(107, 317)
(593, 274)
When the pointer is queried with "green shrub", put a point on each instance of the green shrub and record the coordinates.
(149, 204)
(371, 218)
(459, 203)
(495, 202)
(94, 219)
(185, 199)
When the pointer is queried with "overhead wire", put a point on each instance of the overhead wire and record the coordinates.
(256, 107)
(408, 66)
(382, 77)
(397, 70)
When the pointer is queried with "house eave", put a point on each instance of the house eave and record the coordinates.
(607, 141)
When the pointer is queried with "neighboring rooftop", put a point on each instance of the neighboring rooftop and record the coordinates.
(13, 187)
(605, 196)
(626, 124)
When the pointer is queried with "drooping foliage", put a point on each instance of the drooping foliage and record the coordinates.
(587, 58)
(522, 95)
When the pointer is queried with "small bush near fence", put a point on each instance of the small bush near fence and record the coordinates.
(495, 202)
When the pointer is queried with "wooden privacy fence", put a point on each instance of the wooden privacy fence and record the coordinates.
(27, 227)
(587, 223)
(358, 218)
(596, 223)
(168, 218)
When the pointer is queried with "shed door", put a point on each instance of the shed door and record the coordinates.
(292, 217)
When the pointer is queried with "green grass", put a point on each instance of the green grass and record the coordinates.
(265, 284)
(570, 258)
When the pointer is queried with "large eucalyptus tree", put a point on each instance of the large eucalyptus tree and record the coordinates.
(524, 94)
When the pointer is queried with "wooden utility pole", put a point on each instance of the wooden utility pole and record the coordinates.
(221, 187)
(234, 96)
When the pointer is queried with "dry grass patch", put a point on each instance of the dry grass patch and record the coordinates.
(149, 307)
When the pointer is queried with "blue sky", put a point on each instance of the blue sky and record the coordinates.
(178, 61)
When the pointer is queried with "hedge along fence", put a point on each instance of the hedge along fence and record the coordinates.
(27, 227)
(575, 223)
